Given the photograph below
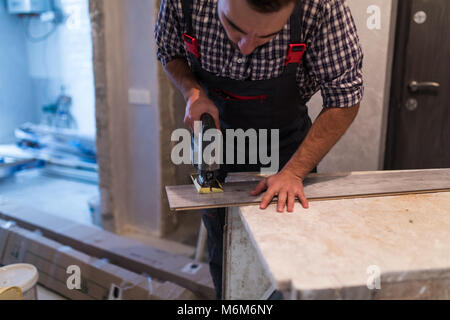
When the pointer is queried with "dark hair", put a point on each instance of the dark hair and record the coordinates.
(269, 6)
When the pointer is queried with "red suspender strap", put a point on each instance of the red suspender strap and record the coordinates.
(231, 96)
(295, 53)
(191, 45)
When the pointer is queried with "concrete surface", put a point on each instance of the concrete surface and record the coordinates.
(46, 294)
(59, 196)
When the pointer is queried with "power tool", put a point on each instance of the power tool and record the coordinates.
(206, 181)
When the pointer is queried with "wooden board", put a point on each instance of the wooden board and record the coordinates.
(325, 252)
(318, 187)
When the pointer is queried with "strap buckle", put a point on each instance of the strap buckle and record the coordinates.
(191, 45)
(295, 53)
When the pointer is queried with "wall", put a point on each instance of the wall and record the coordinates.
(150, 126)
(16, 89)
(130, 136)
(144, 119)
(362, 148)
(65, 59)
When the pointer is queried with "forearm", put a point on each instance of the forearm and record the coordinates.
(325, 132)
(182, 77)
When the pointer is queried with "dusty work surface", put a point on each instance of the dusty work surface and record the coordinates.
(330, 246)
(317, 187)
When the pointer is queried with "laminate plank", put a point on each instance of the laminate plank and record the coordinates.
(318, 187)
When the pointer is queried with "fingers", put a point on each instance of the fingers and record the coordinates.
(267, 199)
(196, 106)
(282, 197)
(290, 198)
(189, 119)
(188, 123)
(303, 200)
(262, 186)
(291, 202)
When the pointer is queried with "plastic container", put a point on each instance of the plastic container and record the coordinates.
(11, 293)
(24, 276)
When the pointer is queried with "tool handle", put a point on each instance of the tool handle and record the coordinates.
(207, 122)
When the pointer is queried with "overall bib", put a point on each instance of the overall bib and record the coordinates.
(262, 104)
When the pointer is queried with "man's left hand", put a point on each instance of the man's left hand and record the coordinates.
(287, 186)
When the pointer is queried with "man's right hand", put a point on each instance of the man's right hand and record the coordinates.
(198, 104)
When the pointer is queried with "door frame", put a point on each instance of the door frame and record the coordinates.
(397, 84)
(107, 22)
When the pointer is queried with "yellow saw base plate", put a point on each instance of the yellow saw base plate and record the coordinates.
(203, 190)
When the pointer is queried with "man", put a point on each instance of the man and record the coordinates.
(255, 64)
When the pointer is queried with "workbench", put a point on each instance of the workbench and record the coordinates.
(366, 235)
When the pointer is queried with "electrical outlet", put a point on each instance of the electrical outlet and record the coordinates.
(139, 97)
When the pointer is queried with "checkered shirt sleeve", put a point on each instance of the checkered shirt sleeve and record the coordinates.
(332, 64)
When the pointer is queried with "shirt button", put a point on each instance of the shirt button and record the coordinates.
(239, 60)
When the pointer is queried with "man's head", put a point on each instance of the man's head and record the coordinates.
(252, 23)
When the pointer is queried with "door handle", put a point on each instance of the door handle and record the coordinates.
(415, 86)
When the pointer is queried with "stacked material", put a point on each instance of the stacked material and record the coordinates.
(76, 275)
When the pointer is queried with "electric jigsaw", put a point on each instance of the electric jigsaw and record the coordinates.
(206, 181)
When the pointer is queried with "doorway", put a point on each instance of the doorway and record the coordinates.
(419, 116)
(48, 126)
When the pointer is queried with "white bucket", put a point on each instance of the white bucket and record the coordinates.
(24, 276)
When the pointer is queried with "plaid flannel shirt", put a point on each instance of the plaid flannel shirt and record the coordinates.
(332, 63)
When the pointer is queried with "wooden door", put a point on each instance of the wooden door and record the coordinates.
(419, 116)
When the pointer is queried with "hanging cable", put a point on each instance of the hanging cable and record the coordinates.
(33, 38)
